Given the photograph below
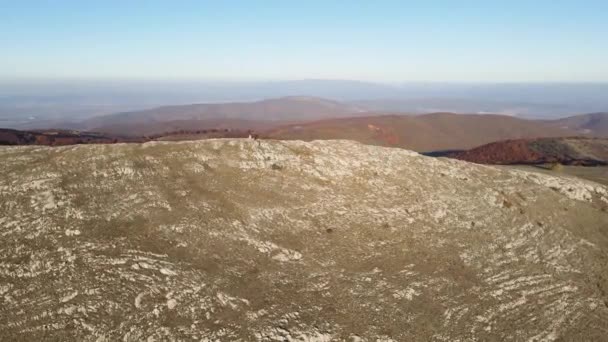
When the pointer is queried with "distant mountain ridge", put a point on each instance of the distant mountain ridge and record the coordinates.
(528, 110)
(310, 118)
(48, 104)
(252, 115)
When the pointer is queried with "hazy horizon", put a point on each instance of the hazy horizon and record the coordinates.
(36, 104)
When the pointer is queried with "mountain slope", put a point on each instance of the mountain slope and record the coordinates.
(430, 132)
(242, 240)
(569, 151)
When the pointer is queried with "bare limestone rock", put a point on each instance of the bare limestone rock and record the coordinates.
(243, 240)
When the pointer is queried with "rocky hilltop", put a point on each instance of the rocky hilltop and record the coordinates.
(243, 240)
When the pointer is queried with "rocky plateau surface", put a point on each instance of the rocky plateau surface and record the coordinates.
(245, 240)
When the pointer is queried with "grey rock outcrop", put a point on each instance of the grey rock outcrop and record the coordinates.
(240, 240)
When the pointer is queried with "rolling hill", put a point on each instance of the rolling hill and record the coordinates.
(429, 132)
(590, 124)
(568, 151)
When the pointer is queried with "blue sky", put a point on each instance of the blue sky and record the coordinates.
(392, 41)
